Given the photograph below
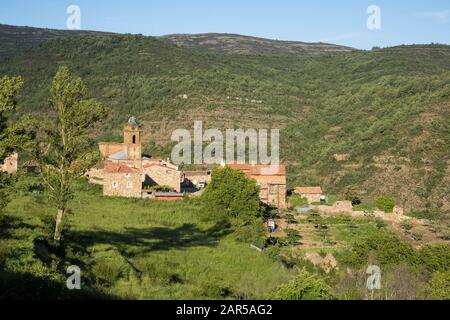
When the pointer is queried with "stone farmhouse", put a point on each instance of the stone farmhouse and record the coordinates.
(121, 180)
(312, 194)
(272, 184)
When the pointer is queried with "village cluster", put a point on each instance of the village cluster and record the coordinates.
(126, 172)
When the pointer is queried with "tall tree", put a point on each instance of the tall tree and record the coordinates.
(232, 194)
(64, 149)
(9, 87)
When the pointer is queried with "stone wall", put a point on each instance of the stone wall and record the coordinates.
(163, 176)
(312, 197)
(122, 185)
(95, 176)
(107, 149)
(194, 177)
(273, 194)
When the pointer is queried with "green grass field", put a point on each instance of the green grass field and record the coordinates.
(139, 249)
(133, 249)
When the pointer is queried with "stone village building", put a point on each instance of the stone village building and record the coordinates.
(162, 174)
(312, 194)
(272, 184)
(121, 180)
(127, 173)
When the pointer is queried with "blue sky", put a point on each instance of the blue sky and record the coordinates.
(341, 22)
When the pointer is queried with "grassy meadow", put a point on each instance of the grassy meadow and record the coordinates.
(141, 249)
(134, 249)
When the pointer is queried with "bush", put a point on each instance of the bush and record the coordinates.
(435, 257)
(213, 290)
(406, 225)
(383, 249)
(440, 286)
(251, 232)
(292, 236)
(290, 219)
(427, 214)
(351, 194)
(305, 286)
(273, 252)
(296, 200)
(385, 204)
(380, 223)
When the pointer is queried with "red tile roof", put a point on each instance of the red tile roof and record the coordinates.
(161, 163)
(259, 169)
(158, 165)
(308, 190)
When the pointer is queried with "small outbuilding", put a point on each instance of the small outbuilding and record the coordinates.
(312, 194)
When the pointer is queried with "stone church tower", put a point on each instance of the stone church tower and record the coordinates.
(132, 143)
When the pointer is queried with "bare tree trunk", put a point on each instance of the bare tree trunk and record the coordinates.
(58, 227)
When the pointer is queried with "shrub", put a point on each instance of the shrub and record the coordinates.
(251, 232)
(213, 290)
(105, 272)
(290, 219)
(292, 236)
(427, 214)
(384, 249)
(273, 252)
(440, 286)
(406, 225)
(352, 195)
(380, 223)
(296, 200)
(385, 204)
(305, 286)
(435, 257)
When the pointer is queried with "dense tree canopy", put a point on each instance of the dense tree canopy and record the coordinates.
(230, 193)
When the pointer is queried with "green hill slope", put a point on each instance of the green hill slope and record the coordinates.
(16, 39)
(387, 109)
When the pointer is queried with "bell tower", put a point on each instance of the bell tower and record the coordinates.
(132, 134)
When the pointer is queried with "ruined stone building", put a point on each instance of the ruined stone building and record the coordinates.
(271, 182)
(10, 164)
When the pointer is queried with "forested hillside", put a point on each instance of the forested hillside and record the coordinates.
(238, 44)
(388, 109)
